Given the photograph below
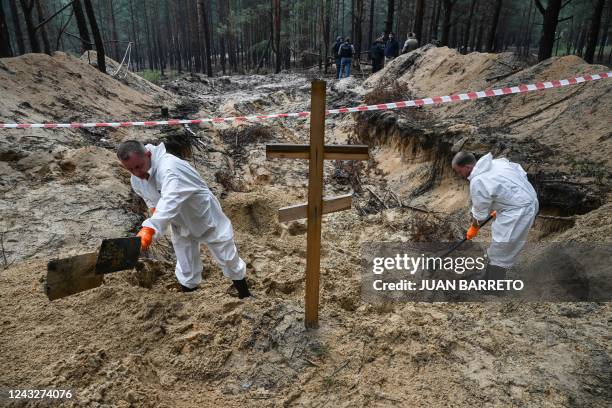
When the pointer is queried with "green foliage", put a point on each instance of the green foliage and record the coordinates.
(151, 75)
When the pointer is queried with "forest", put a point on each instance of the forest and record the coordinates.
(241, 36)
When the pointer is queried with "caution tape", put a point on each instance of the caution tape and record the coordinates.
(436, 100)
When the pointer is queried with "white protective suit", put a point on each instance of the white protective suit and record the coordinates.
(182, 199)
(502, 186)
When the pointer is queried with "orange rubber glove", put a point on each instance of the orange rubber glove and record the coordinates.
(472, 232)
(152, 210)
(146, 237)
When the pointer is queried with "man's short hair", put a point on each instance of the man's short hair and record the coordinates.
(125, 149)
(463, 159)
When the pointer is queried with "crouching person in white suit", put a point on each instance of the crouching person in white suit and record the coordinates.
(501, 186)
(177, 196)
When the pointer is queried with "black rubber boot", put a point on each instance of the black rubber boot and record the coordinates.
(185, 289)
(243, 288)
(495, 272)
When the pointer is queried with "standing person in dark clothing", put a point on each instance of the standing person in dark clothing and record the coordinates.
(335, 50)
(377, 54)
(391, 48)
(346, 53)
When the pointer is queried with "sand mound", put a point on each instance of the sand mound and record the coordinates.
(57, 189)
(41, 88)
(570, 121)
(121, 73)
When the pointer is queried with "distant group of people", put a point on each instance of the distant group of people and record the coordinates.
(382, 51)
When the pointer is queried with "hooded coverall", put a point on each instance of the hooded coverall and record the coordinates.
(183, 201)
(502, 186)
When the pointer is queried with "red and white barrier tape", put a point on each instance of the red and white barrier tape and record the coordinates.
(381, 106)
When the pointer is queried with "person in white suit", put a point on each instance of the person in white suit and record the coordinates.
(499, 185)
(178, 197)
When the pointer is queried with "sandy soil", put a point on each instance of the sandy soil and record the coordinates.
(136, 341)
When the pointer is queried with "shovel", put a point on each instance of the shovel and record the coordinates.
(83, 272)
(457, 245)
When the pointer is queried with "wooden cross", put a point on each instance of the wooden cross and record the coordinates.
(317, 205)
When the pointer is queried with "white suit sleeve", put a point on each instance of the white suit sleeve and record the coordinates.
(173, 193)
(481, 199)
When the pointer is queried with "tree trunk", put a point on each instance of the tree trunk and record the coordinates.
(604, 32)
(371, 23)
(96, 35)
(82, 26)
(342, 33)
(277, 34)
(40, 10)
(446, 22)
(474, 30)
(358, 23)
(435, 19)
(326, 7)
(161, 55)
(231, 39)
(466, 40)
(17, 27)
(135, 37)
(27, 6)
(5, 39)
(594, 31)
(353, 20)
(494, 23)
(203, 18)
(114, 36)
(389, 21)
(529, 34)
(419, 11)
(453, 36)
(549, 28)
(479, 36)
(150, 57)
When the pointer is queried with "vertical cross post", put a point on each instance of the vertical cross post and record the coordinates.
(316, 152)
(315, 202)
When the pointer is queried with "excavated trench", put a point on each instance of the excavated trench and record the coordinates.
(417, 138)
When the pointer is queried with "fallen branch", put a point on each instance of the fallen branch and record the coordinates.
(311, 362)
(6, 263)
(495, 78)
(382, 396)
(378, 198)
(341, 367)
(45, 21)
(2, 248)
(503, 63)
